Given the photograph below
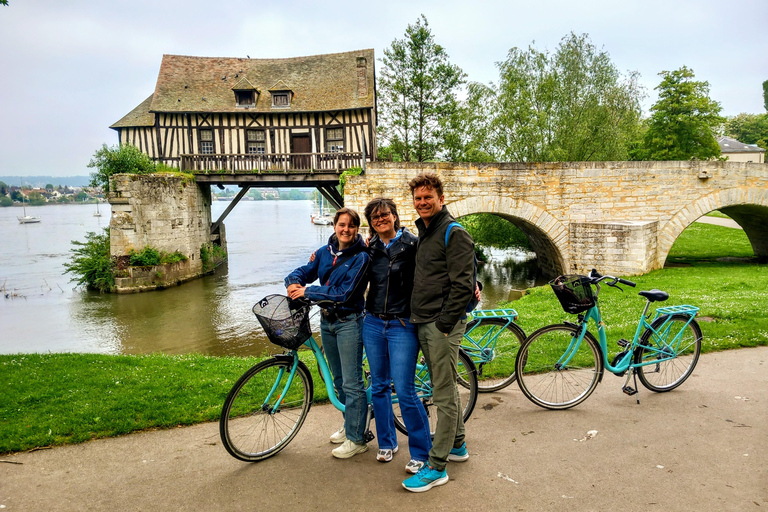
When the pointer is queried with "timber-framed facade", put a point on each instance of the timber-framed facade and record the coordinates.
(253, 115)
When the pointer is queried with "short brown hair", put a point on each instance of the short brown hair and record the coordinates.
(378, 204)
(428, 180)
(353, 215)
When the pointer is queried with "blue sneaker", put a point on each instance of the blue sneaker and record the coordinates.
(427, 478)
(459, 454)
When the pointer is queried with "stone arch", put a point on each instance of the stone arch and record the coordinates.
(747, 206)
(549, 237)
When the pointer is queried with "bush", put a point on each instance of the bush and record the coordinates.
(92, 263)
(125, 159)
(147, 257)
(6, 201)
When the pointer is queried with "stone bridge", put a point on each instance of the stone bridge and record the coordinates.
(619, 217)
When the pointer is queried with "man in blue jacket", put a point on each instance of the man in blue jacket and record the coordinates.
(442, 288)
(342, 268)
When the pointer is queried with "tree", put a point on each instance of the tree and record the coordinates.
(683, 120)
(91, 262)
(417, 89)
(749, 129)
(123, 159)
(6, 201)
(765, 95)
(572, 105)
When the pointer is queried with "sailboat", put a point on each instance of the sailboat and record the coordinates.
(98, 213)
(321, 217)
(26, 219)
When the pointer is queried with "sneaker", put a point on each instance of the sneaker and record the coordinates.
(386, 454)
(427, 478)
(413, 466)
(349, 449)
(339, 436)
(459, 454)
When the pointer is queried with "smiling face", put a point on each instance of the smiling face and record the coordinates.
(427, 203)
(383, 222)
(345, 230)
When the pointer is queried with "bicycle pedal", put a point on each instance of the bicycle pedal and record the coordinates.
(368, 436)
(622, 343)
(629, 390)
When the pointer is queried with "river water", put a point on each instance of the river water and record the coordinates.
(42, 311)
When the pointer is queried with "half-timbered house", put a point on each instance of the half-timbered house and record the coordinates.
(243, 114)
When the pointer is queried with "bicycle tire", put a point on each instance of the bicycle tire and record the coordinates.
(544, 381)
(250, 428)
(495, 365)
(467, 395)
(669, 374)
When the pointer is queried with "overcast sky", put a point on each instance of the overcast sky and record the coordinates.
(69, 69)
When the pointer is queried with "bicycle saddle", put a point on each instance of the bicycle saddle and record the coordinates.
(654, 295)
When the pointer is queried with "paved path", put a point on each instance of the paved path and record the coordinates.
(719, 221)
(701, 447)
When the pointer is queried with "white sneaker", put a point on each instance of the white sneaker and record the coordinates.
(414, 466)
(386, 454)
(349, 449)
(339, 436)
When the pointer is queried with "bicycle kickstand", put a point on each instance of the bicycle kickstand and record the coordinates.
(629, 390)
(368, 436)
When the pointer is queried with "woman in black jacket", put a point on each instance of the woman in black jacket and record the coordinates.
(390, 339)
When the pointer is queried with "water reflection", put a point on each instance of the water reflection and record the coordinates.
(506, 274)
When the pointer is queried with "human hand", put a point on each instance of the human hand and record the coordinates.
(296, 292)
(291, 288)
(477, 291)
(312, 257)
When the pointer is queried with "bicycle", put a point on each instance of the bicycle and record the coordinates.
(492, 339)
(268, 404)
(560, 365)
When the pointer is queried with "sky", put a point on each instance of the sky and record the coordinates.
(68, 70)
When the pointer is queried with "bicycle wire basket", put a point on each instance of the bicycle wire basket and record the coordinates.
(574, 293)
(286, 322)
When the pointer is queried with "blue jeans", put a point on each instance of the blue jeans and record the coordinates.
(343, 347)
(392, 350)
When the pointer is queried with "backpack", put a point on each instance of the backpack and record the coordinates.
(473, 301)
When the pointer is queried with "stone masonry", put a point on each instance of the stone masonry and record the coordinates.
(619, 217)
(164, 211)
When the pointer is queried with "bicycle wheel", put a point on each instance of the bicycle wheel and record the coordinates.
(467, 394)
(554, 374)
(492, 343)
(252, 426)
(670, 373)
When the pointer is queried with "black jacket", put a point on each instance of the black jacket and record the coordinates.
(391, 275)
(444, 276)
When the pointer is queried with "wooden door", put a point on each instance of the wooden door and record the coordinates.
(300, 144)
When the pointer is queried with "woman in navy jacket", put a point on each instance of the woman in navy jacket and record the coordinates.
(342, 268)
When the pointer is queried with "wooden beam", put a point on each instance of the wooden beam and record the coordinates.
(238, 197)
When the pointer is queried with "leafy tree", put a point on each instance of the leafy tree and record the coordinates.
(417, 90)
(3, 188)
(490, 230)
(123, 159)
(683, 120)
(91, 262)
(36, 199)
(16, 195)
(765, 95)
(49, 186)
(572, 105)
(749, 129)
(81, 196)
(6, 201)
(3, 2)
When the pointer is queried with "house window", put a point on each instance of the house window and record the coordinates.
(334, 140)
(281, 99)
(206, 142)
(244, 98)
(255, 142)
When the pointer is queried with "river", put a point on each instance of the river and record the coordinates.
(42, 311)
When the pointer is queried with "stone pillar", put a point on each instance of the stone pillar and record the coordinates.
(621, 248)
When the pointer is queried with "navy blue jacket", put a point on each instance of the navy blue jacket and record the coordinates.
(391, 275)
(342, 275)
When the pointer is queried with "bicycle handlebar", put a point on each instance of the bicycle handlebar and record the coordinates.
(596, 277)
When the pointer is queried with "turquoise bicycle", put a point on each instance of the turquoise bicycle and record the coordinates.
(560, 365)
(267, 406)
(491, 340)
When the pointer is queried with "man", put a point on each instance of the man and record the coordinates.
(443, 286)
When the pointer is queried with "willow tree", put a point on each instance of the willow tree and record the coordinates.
(571, 105)
(417, 94)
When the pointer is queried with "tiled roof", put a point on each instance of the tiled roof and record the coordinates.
(140, 116)
(336, 81)
(729, 145)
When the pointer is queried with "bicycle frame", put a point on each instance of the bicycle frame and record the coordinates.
(481, 350)
(664, 348)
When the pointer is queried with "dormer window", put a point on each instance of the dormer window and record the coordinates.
(281, 99)
(245, 98)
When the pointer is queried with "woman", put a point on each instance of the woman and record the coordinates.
(342, 268)
(390, 340)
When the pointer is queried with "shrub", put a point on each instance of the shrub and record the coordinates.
(92, 263)
(147, 257)
(124, 159)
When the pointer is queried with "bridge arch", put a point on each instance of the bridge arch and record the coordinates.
(548, 236)
(748, 206)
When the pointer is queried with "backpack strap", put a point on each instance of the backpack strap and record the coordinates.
(448, 231)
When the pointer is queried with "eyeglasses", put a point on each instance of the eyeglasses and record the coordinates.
(380, 216)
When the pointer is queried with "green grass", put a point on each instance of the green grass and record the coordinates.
(54, 399)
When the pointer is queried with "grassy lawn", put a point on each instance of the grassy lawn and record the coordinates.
(54, 399)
